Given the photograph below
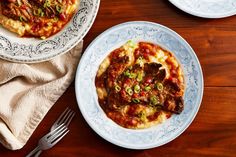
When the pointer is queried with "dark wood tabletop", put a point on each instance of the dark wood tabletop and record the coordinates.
(213, 131)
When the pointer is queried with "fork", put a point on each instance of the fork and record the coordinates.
(50, 139)
(65, 118)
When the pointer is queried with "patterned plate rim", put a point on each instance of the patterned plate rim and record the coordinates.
(113, 141)
(68, 47)
(203, 15)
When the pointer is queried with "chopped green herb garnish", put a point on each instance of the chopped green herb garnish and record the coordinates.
(127, 73)
(136, 88)
(117, 88)
(136, 100)
(147, 88)
(159, 86)
(154, 100)
(161, 59)
(133, 75)
(38, 12)
(35, 12)
(47, 3)
(131, 43)
(42, 14)
(142, 115)
(59, 8)
(129, 91)
(140, 61)
(140, 77)
(21, 18)
(55, 19)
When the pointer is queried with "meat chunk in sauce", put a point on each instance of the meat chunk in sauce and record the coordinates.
(174, 105)
(116, 69)
(152, 68)
(26, 10)
(132, 88)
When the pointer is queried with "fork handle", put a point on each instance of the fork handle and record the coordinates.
(33, 151)
(38, 153)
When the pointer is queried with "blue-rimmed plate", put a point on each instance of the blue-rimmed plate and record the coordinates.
(207, 8)
(87, 96)
(31, 50)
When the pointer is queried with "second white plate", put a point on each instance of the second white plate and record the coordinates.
(207, 8)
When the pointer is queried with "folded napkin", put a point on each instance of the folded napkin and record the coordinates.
(28, 91)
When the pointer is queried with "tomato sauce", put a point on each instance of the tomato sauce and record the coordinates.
(133, 87)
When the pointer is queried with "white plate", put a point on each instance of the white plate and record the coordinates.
(207, 8)
(31, 50)
(87, 96)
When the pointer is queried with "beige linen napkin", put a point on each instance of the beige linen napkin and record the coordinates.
(28, 91)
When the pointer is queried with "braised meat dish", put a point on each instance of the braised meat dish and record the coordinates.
(36, 18)
(140, 85)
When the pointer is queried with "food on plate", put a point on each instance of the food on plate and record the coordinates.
(139, 85)
(36, 18)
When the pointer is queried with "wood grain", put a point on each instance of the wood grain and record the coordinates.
(212, 133)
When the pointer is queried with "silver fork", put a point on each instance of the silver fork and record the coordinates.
(65, 118)
(50, 139)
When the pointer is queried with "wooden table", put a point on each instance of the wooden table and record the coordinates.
(212, 133)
